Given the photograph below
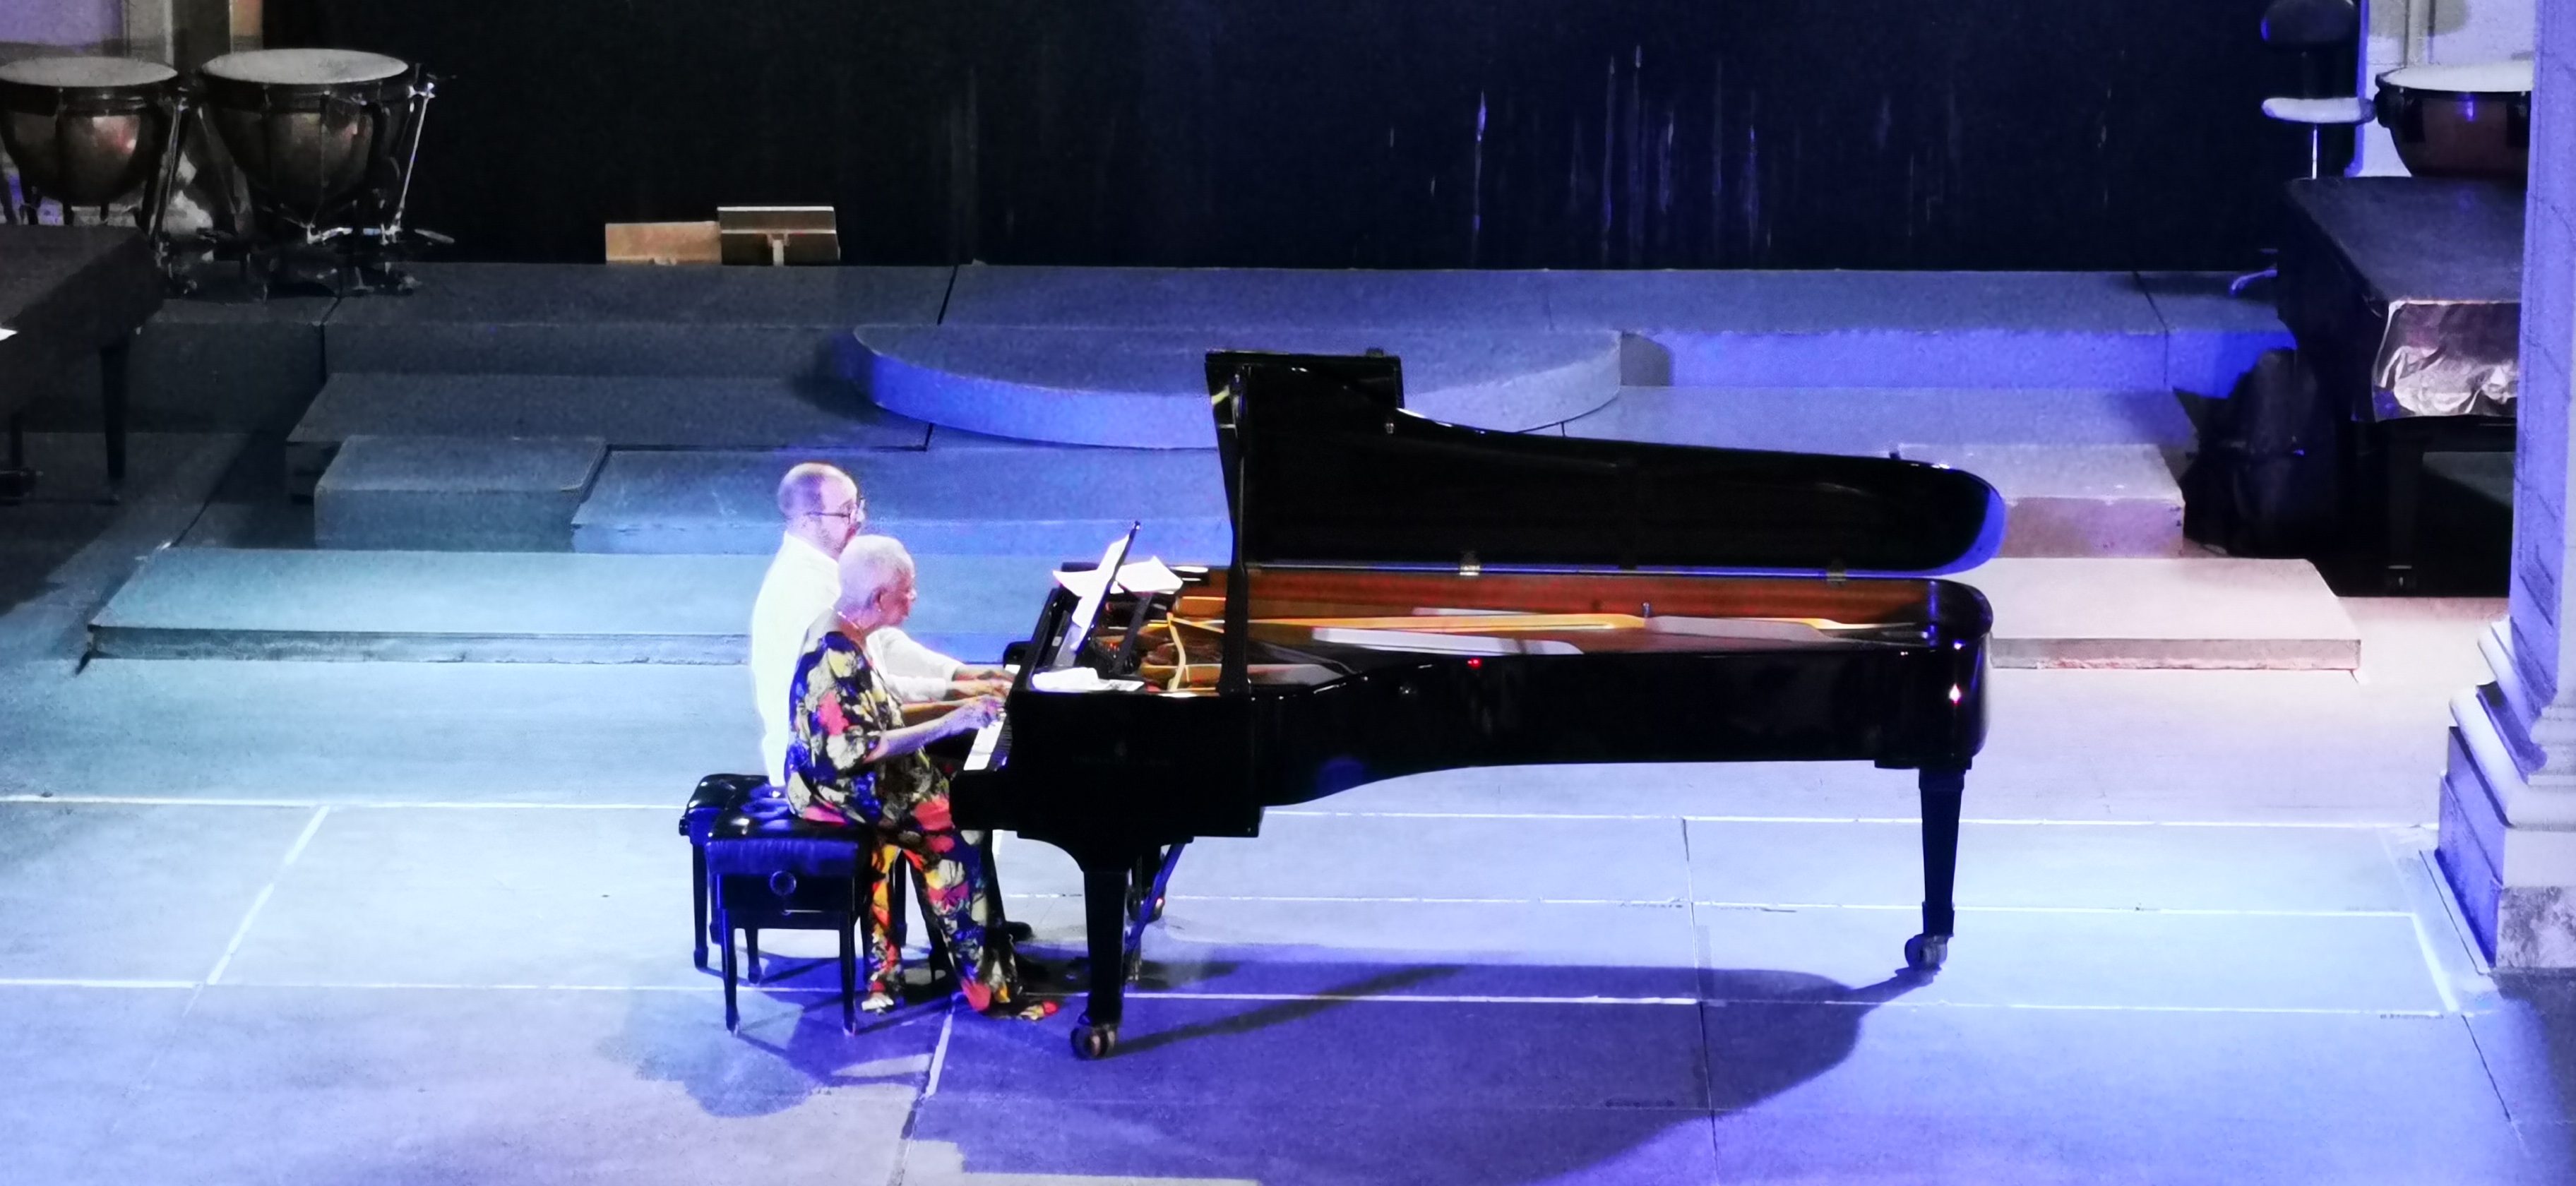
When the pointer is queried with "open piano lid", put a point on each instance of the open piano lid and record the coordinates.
(1325, 468)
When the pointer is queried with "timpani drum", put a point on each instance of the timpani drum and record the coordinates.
(2471, 119)
(85, 131)
(307, 127)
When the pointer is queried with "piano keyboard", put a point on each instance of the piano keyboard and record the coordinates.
(991, 740)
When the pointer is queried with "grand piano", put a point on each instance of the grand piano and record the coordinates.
(1407, 595)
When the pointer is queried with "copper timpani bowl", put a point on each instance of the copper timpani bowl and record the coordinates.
(306, 126)
(2467, 120)
(85, 130)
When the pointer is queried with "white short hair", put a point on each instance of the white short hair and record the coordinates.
(870, 565)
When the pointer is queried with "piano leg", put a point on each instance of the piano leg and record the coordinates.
(111, 407)
(1942, 790)
(1145, 888)
(1104, 918)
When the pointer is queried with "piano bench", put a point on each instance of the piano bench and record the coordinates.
(802, 877)
(716, 796)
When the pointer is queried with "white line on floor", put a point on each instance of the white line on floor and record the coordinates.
(441, 805)
(155, 801)
(1324, 997)
(427, 986)
(1407, 998)
(1654, 903)
(1413, 999)
(1966, 909)
(2433, 966)
(259, 903)
(1863, 819)
(2294, 1010)
(417, 805)
(939, 1053)
(1675, 904)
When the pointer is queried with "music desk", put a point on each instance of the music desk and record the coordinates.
(69, 293)
(2405, 295)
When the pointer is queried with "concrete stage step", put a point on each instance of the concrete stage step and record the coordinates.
(2211, 336)
(1251, 299)
(2203, 612)
(627, 412)
(1862, 421)
(1070, 354)
(573, 607)
(2076, 500)
(1878, 329)
(964, 495)
(1147, 388)
(597, 319)
(455, 494)
(529, 607)
(1716, 328)
(2087, 500)
(2084, 473)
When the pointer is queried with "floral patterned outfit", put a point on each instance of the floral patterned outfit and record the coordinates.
(840, 710)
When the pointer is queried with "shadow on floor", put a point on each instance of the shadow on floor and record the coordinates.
(1390, 1076)
(791, 1045)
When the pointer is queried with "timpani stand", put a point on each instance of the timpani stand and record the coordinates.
(2405, 296)
(324, 142)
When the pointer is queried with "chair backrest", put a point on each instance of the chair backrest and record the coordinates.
(2310, 24)
(2322, 33)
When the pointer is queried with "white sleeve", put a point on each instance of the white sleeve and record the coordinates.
(898, 661)
(914, 689)
(905, 658)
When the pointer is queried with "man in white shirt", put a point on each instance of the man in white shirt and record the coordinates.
(824, 511)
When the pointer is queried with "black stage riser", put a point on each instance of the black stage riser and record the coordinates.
(1345, 133)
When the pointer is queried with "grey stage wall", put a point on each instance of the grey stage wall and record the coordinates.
(2078, 134)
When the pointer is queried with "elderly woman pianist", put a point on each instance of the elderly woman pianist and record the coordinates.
(853, 760)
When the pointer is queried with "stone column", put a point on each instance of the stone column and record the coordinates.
(2508, 838)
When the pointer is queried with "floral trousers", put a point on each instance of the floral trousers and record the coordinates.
(959, 887)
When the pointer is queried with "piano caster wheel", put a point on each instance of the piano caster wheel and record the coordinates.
(1924, 953)
(1094, 1041)
(1157, 914)
(1135, 966)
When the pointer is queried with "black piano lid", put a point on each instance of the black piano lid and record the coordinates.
(1325, 468)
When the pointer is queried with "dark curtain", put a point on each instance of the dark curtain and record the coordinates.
(1976, 134)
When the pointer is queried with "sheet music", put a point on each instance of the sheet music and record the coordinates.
(1081, 679)
(1148, 576)
(1087, 610)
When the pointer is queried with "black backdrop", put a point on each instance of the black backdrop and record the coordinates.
(2081, 134)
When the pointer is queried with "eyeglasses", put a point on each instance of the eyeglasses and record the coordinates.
(854, 514)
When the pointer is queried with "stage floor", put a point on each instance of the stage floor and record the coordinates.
(428, 922)
(398, 922)
(294, 922)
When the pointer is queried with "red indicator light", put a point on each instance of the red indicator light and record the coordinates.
(1473, 664)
